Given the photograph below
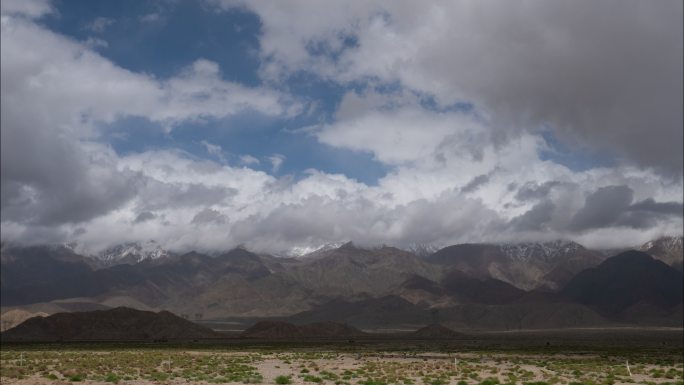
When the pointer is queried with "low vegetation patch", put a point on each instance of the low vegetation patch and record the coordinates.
(161, 366)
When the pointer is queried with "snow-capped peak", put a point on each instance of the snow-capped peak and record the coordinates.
(422, 249)
(667, 245)
(540, 250)
(132, 252)
(70, 246)
(301, 251)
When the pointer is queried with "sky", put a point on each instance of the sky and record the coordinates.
(281, 125)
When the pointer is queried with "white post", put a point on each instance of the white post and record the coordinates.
(455, 364)
(629, 371)
(167, 364)
(21, 359)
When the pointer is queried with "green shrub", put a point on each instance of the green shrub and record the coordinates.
(159, 376)
(371, 381)
(490, 381)
(282, 380)
(253, 379)
(329, 375)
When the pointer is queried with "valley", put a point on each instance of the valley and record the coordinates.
(635, 357)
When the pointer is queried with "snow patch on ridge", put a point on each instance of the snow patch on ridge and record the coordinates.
(302, 251)
(546, 251)
(132, 252)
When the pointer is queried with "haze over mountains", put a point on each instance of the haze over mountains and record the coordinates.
(470, 286)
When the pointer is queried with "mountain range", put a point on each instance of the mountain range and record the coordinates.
(468, 286)
(130, 253)
(126, 324)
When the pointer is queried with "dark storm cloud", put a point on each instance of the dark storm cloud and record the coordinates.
(208, 215)
(475, 183)
(50, 180)
(532, 190)
(606, 74)
(638, 220)
(613, 80)
(49, 176)
(648, 212)
(144, 216)
(602, 208)
(536, 218)
(650, 205)
(612, 206)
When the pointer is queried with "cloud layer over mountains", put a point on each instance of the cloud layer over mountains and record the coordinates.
(470, 106)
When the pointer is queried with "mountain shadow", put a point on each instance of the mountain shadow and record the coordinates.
(625, 280)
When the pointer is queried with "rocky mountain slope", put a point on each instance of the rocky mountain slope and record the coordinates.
(481, 286)
(396, 313)
(625, 280)
(666, 249)
(12, 318)
(121, 324)
(436, 331)
(349, 270)
(131, 253)
(526, 266)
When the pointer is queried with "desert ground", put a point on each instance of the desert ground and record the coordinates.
(519, 359)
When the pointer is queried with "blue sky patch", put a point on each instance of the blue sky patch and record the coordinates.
(162, 38)
(575, 159)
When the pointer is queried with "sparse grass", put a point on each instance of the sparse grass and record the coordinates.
(312, 378)
(367, 367)
(76, 378)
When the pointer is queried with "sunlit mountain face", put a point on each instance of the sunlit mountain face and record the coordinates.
(137, 128)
